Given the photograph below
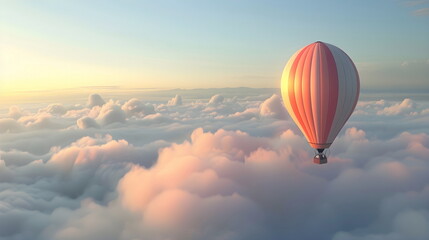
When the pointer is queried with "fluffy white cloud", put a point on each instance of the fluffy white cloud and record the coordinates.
(234, 169)
(15, 112)
(216, 99)
(111, 113)
(55, 109)
(95, 100)
(87, 122)
(232, 184)
(273, 107)
(406, 106)
(136, 107)
(176, 101)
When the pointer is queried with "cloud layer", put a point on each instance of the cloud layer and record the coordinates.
(219, 168)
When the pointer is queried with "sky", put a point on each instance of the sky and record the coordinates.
(53, 45)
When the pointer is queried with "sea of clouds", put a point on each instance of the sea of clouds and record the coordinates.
(219, 168)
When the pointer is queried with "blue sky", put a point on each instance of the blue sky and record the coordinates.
(194, 44)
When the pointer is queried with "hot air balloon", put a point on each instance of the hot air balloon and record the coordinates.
(320, 89)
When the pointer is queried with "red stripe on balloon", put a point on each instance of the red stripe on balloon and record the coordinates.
(292, 90)
(323, 88)
(306, 93)
(299, 89)
(330, 98)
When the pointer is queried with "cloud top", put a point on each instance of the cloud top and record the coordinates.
(95, 100)
(176, 101)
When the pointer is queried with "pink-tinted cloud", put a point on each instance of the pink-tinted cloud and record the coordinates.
(273, 107)
(406, 106)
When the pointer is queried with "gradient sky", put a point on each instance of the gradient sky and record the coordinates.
(47, 45)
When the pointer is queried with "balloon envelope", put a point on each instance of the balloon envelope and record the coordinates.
(320, 89)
